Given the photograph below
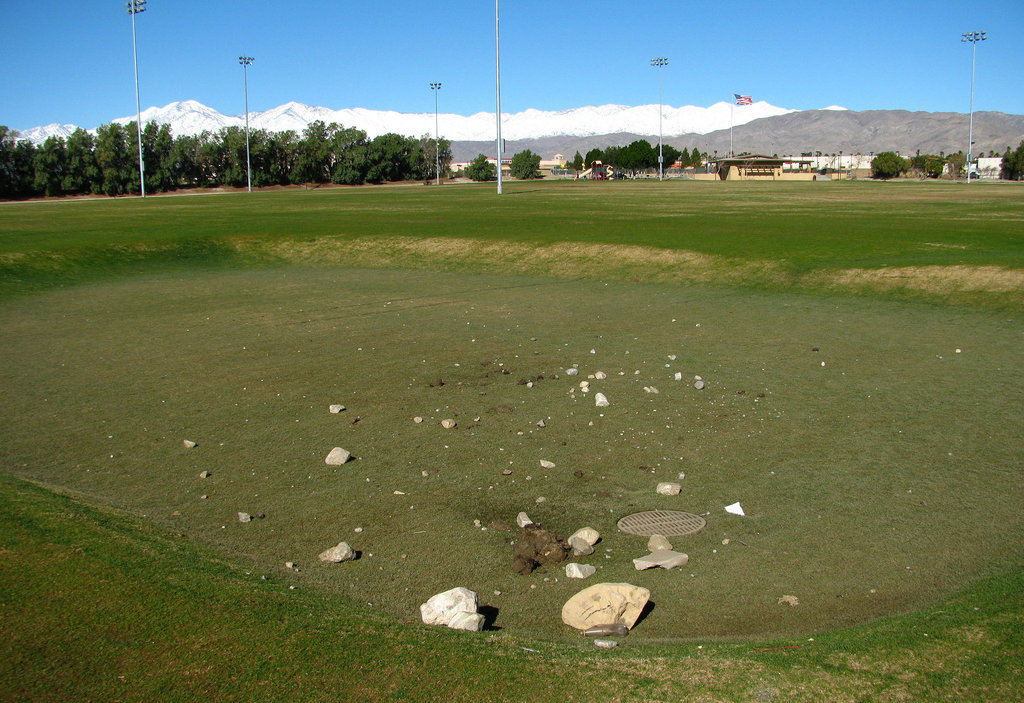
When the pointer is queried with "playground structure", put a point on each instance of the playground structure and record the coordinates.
(597, 172)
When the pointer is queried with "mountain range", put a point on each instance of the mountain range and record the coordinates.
(759, 127)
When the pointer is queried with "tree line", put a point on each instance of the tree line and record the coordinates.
(108, 163)
(889, 164)
(638, 156)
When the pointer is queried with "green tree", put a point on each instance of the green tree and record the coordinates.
(82, 174)
(888, 164)
(1012, 168)
(480, 169)
(114, 159)
(577, 162)
(956, 163)
(313, 159)
(671, 155)
(390, 157)
(611, 156)
(50, 163)
(592, 156)
(17, 170)
(525, 165)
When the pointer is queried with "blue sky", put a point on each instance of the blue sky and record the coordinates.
(71, 61)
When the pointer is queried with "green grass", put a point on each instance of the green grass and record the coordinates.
(878, 465)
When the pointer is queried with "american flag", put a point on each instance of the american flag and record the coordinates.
(743, 99)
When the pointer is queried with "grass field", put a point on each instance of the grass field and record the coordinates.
(861, 346)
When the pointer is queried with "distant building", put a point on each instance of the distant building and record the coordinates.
(757, 167)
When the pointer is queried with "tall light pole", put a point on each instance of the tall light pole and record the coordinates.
(973, 38)
(658, 62)
(497, 87)
(437, 139)
(134, 8)
(246, 61)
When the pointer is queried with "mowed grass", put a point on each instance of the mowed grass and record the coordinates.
(878, 465)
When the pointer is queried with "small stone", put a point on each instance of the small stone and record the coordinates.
(337, 457)
(336, 408)
(699, 385)
(545, 464)
(417, 419)
(289, 565)
(664, 558)
(679, 376)
(668, 489)
(580, 547)
(606, 644)
(571, 372)
(448, 423)
(601, 401)
(671, 357)
(651, 389)
(204, 474)
(600, 375)
(335, 555)
(791, 601)
(203, 497)
(522, 519)
(506, 472)
(244, 517)
(658, 543)
(540, 500)
(587, 534)
(188, 443)
(541, 423)
(579, 571)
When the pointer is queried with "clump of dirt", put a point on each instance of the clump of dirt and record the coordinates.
(537, 546)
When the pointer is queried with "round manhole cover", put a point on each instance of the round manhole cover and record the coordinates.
(668, 523)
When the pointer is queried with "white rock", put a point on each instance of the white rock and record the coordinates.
(580, 546)
(699, 385)
(605, 604)
(735, 509)
(671, 357)
(658, 542)
(471, 622)
(417, 419)
(679, 375)
(522, 519)
(600, 375)
(336, 408)
(606, 644)
(579, 571)
(587, 534)
(188, 443)
(571, 372)
(541, 423)
(664, 558)
(601, 401)
(335, 555)
(545, 464)
(448, 423)
(244, 517)
(441, 608)
(668, 489)
(337, 457)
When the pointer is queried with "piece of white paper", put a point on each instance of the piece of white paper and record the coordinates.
(735, 509)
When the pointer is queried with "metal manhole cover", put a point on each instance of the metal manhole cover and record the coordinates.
(668, 523)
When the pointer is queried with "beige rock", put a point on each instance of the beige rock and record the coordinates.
(587, 534)
(789, 600)
(441, 608)
(448, 423)
(336, 408)
(337, 457)
(668, 489)
(579, 571)
(664, 558)
(605, 604)
(657, 542)
(338, 554)
(189, 444)
(545, 464)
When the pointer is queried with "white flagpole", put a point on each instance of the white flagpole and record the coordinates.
(731, 108)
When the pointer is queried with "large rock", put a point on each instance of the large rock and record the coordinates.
(337, 457)
(587, 534)
(664, 558)
(522, 519)
(580, 547)
(601, 401)
(442, 608)
(605, 604)
(668, 489)
(579, 571)
(471, 622)
(657, 542)
(338, 554)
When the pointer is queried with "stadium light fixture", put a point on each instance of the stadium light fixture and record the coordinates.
(246, 61)
(973, 38)
(436, 87)
(134, 8)
(659, 62)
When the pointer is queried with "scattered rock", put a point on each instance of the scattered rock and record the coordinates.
(572, 371)
(605, 603)
(600, 375)
(545, 464)
(541, 423)
(601, 401)
(651, 389)
(244, 517)
(678, 376)
(791, 601)
(537, 546)
(417, 419)
(541, 499)
(587, 534)
(606, 644)
(204, 474)
(336, 408)
(658, 542)
(338, 554)
(668, 489)
(506, 472)
(663, 558)
(579, 571)
(289, 565)
(337, 457)
(699, 385)
(580, 547)
(188, 443)
(448, 423)
(440, 609)
(522, 519)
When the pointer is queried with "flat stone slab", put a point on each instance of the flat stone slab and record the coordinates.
(337, 457)
(662, 558)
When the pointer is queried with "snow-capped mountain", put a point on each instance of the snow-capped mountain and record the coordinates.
(190, 117)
